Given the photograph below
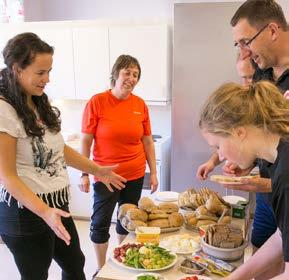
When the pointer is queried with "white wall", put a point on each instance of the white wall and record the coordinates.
(98, 9)
(36, 10)
(33, 10)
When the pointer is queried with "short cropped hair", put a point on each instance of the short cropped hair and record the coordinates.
(259, 13)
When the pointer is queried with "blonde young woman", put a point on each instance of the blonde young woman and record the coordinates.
(244, 124)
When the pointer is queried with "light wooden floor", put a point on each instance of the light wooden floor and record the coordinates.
(8, 270)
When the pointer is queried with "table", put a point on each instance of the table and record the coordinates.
(112, 271)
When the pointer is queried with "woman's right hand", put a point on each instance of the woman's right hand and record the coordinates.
(232, 169)
(205, 169)
(84, 185)
(52, 216)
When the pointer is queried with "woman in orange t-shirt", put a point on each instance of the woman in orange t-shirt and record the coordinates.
(117, 123)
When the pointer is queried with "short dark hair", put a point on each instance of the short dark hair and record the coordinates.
(260, 12)
(123, 62)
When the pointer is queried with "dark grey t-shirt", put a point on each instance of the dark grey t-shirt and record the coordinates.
(283, 84)
(279, 174)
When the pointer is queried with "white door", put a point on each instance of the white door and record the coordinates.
(61, 85)
(149, 44)
(91, 60)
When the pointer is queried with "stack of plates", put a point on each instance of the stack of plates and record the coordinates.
(167, 196)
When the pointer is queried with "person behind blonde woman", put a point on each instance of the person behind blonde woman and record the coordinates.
(245, 70)
(255, 125)
(117, 124)
(35, 223)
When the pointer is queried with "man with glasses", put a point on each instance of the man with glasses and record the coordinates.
(260, 31)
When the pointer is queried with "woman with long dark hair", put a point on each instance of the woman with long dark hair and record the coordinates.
(34, 216)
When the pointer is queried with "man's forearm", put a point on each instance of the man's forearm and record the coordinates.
(269, 254)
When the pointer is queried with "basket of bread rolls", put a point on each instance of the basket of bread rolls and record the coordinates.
(203, 207)
(165, 215)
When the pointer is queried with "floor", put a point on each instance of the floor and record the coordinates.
(10, 271)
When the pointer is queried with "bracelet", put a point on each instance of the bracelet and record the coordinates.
(83, 175)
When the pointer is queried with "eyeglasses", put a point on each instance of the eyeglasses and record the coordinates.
(246, 43)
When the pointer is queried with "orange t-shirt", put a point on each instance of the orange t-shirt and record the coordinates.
(118, 127)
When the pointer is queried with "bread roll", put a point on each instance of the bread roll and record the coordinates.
(146, 204)
(168, 207)
(190, 215)
(133, 224)
(122, 210)
(137, 214)
(192, 221)
(162, 223)
(124, 221)
(158, 214)
(176, 219)
(205, 222)
(202, 210)
(225, 220)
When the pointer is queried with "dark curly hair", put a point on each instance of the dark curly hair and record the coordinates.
(22, 50)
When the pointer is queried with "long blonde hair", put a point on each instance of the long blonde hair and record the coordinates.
(232, 105)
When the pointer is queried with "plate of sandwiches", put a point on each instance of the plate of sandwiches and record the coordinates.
(229, 180)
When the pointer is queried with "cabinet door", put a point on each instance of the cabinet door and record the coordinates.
(6, 33)
(61, 85)
(91, 60)
(149, 44)
(80, 204)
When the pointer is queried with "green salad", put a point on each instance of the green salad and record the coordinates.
(148, 277)
(148, 257)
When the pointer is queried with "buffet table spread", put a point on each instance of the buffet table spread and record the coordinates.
(112, 271)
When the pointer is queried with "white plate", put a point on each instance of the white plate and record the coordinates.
(170, 229)
(145, 269)
(200, 277)
(149, 273)
(233, 199)
(167, 196)
(171, 244)
(163, 230)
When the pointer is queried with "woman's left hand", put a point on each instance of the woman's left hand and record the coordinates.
(154, 183)
(109, 178)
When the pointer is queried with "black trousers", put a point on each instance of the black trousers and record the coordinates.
(33, 253)
(104, 204)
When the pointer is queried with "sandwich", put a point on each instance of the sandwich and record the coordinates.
(228, 179)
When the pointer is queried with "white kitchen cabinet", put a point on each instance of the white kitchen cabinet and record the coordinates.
(61, 83)
(86, 51)
(91, 60)
(150, 45)
(6, 33)
(80, 203)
